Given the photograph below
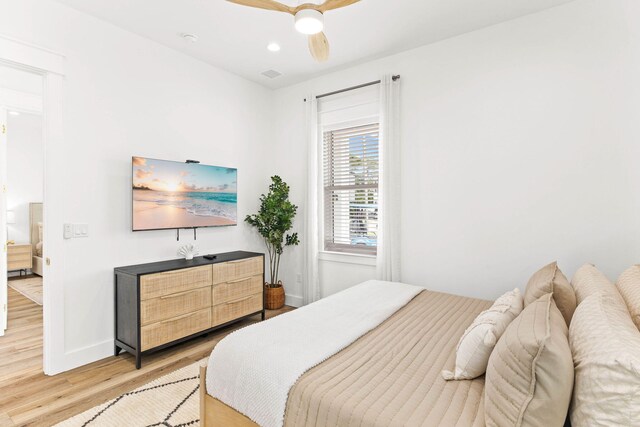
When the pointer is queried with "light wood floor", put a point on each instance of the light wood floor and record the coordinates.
(30, 398)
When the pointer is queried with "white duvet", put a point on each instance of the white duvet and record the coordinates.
(253, 369)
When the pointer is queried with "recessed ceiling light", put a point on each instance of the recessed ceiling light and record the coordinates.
(273, 47)
(14, 113)
(191, 38)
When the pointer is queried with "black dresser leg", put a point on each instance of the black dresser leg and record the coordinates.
(116, 350)
(138, 360)
(264, 314)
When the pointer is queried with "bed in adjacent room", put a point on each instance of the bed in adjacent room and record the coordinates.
(385, 373)
(36, 232)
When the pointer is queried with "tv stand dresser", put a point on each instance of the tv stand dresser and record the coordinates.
(165, 303)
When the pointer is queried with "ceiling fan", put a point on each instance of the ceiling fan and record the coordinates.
(309, 19)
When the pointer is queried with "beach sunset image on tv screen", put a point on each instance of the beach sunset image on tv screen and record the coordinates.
(182, 195)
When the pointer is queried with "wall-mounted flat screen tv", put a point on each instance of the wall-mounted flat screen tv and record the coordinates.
(170, 195)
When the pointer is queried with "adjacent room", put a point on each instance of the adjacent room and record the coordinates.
(21, 287)
(263, 213)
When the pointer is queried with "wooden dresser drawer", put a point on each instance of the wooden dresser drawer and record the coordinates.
(239, 288)
(19, 257)
(169, 330)
(228, 311)
(239, 269)
(19, 250)
(168, 306)
(19, 262)
(171, 282)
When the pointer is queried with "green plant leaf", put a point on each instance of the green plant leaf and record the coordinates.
(273, 220)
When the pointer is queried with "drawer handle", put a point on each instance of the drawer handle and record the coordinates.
(180, 271)
(169, 273)
(240, 300)
(240, 280)
(173, 319)
(179, 294)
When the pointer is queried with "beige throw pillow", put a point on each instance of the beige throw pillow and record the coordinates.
(628, 285)
(477, 342)
(588, 280)
(530, 373)
(549, 279)
(606, 352)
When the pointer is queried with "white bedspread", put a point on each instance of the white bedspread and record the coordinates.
(253, 369)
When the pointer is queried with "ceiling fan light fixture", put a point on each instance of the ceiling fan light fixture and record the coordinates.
(309, 21)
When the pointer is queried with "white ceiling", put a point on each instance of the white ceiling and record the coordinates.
(235, 37)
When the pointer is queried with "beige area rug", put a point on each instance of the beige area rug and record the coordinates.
(170, 401)
(30, 287)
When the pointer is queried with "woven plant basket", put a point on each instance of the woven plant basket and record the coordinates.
(274, 296)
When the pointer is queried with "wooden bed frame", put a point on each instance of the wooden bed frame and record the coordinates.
(214, 413)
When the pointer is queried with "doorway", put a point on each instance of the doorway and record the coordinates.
(49, 65)
(22, 169)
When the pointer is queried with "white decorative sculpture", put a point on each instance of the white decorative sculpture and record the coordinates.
(188, 251)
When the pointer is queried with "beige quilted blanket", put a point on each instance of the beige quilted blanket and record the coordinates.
(391, 376)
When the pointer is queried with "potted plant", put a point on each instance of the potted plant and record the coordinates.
(273, 221)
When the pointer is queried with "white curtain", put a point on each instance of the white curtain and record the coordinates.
(388, 259)
(311, 287)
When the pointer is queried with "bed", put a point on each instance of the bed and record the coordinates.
(35, 230)
(390, 376)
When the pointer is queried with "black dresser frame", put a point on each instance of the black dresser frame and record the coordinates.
(127, 301)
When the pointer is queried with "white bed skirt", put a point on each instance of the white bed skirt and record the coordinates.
(38, 266)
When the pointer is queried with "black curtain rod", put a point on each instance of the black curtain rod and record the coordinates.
(394, 78)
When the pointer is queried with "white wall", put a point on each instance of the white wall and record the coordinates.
(25, 171)
(520, 147)
(125, 95)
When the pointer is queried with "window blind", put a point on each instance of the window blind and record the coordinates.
(350, 171)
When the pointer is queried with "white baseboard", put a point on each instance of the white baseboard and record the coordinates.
(293, 300)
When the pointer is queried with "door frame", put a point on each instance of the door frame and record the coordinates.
(4, 237)
(50, 65)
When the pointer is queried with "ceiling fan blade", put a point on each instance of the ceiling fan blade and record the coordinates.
(335, 4)
(264, 4)
(319, 47)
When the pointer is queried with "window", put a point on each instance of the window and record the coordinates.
(350, 170)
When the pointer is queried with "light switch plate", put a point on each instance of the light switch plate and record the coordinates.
(80, 230)
(74, 231)
(68, 231)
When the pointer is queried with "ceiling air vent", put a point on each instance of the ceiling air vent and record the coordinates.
(272, 74)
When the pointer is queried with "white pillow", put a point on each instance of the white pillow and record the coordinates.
(477, 342)
(606, 354)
